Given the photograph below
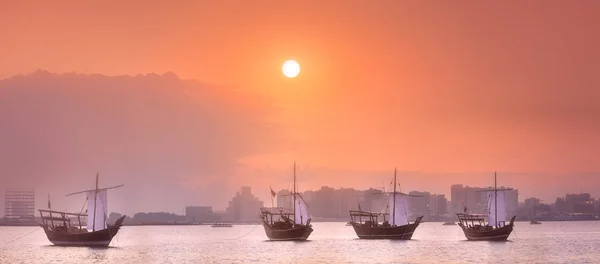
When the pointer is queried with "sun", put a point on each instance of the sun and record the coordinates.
(290, 68)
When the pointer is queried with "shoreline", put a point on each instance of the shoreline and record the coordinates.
(258, 223)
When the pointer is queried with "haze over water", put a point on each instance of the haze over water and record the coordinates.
(551, 242)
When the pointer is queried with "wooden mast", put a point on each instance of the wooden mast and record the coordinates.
(495, 200)
(294, 192)
(394, 209)
(95, 199)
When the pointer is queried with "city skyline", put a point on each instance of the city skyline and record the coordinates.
(453, 205)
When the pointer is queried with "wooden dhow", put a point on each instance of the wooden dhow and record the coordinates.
(367, 226)
(491, 226)
(284, 224)
(68, 229)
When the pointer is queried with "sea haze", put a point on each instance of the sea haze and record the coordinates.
(551, 242)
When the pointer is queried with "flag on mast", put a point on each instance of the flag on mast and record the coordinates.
(273, 193)
(49, 204)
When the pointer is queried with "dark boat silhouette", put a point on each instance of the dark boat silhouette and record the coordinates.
(221, 225)
(490, 226)
(69, 235)
(475, 228)
(534, 222)
(67, 229)
(366, 224)
(283, 224)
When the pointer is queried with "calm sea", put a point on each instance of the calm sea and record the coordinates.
(550, 242)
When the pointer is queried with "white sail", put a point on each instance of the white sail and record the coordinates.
(501, 205)
(99, 209)
(301, 214)
(400, 216)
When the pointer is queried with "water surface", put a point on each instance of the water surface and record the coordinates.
(550, 242)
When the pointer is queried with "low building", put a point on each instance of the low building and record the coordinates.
(199, 214)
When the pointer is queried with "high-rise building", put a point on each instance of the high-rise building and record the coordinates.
(582, 203)
(327, 203)
(419, 203)
(531, 206)
(19, 204)
(439, 204)
(471, 198)
(374, 200)
(244, 206)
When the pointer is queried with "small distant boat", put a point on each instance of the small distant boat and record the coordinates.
(490, 227)
(62, 230)
(399, 228)
(221, 225)
(349, 223)
(283, 224)
(449, 223)
(533, 222)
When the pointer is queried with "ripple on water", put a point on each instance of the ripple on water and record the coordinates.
(552, 242)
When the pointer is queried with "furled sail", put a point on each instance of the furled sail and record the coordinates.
(400, 216)
(99, 208)
(301, 214)
(501, 205)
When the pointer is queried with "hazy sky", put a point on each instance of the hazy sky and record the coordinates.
(447, 91)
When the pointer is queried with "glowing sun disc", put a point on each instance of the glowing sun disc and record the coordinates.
(290, 68)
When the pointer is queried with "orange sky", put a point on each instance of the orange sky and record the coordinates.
(446, 87)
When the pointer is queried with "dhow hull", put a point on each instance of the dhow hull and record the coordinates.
(99, 238)
(404, 232)
(298, 233)
(498, 234)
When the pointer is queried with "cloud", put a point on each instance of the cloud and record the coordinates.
(155, 133)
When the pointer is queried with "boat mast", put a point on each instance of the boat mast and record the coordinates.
(95, 199)
(394, 209)
(294, 192)
(495, 200)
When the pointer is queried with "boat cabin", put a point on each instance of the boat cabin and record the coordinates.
(63, 222)
(278, 217)
(477, 221)
(368, 219)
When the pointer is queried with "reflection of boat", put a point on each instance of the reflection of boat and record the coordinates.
(533, 222)
(62, 230)
(221, 225)
(491, 227)
(399, 228)
(285, 224)
(449, 223)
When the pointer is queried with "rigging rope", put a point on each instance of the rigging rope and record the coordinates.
(21, 237)
(246, 233)
(84, 203)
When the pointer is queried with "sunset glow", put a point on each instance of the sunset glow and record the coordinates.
(200, 96)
